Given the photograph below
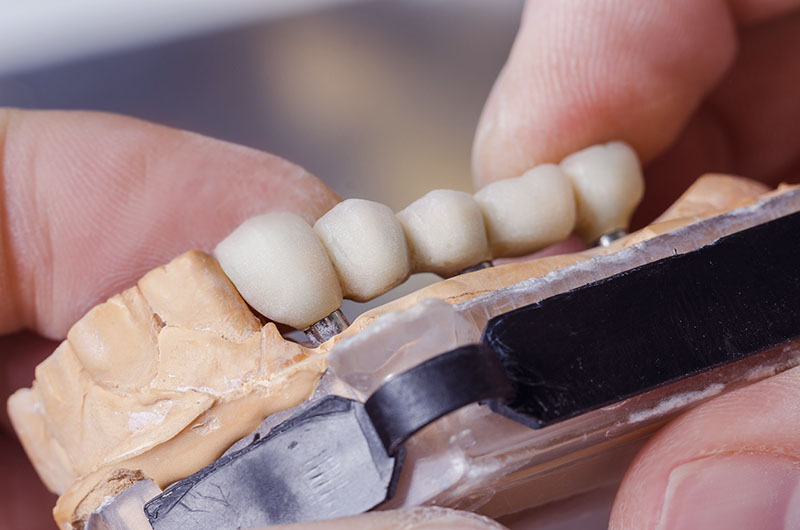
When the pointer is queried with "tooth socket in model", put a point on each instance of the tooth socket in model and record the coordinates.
(322, 330)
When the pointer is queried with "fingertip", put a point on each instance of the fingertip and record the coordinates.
(93, 201)
(580, 74)
(732, 461)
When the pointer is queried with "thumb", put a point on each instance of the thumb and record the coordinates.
(732, 463)
(583, 72)
(92, 201)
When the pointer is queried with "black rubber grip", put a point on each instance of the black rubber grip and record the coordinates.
(434, 388)
(651, 326)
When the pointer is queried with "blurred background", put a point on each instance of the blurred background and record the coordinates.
(378, 99)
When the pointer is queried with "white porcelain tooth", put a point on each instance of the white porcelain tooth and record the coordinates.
(281, 268)
(527, 213)
(608, 185)
(367, 247)
(445, 232)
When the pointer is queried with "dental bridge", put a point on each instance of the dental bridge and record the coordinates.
(710, 314)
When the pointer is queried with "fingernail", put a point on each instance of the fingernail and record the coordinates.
(733, 492)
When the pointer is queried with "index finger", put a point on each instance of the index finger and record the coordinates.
(583, 72)
(92, 201)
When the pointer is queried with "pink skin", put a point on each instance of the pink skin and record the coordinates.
(694, 86)
(94, 200)
(88, 202)
(734, 460)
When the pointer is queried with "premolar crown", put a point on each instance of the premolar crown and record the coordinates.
(367, 247)
(280, 268)
(445, 232)
(527, 213)
(608, 185)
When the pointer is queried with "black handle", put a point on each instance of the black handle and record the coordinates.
(425, 393)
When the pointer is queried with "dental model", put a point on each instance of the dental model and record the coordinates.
(96, 422)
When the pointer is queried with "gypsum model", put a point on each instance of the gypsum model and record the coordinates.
(220, 373)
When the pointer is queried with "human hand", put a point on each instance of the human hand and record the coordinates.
(90, 203)
(553, 120)
(694, 86)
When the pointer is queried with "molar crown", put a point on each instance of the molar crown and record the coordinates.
(528, 213)
(608, 184)
(281, 268)
(445, 232)
(367, 246)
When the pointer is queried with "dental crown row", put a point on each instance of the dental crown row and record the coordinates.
(298, 275)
